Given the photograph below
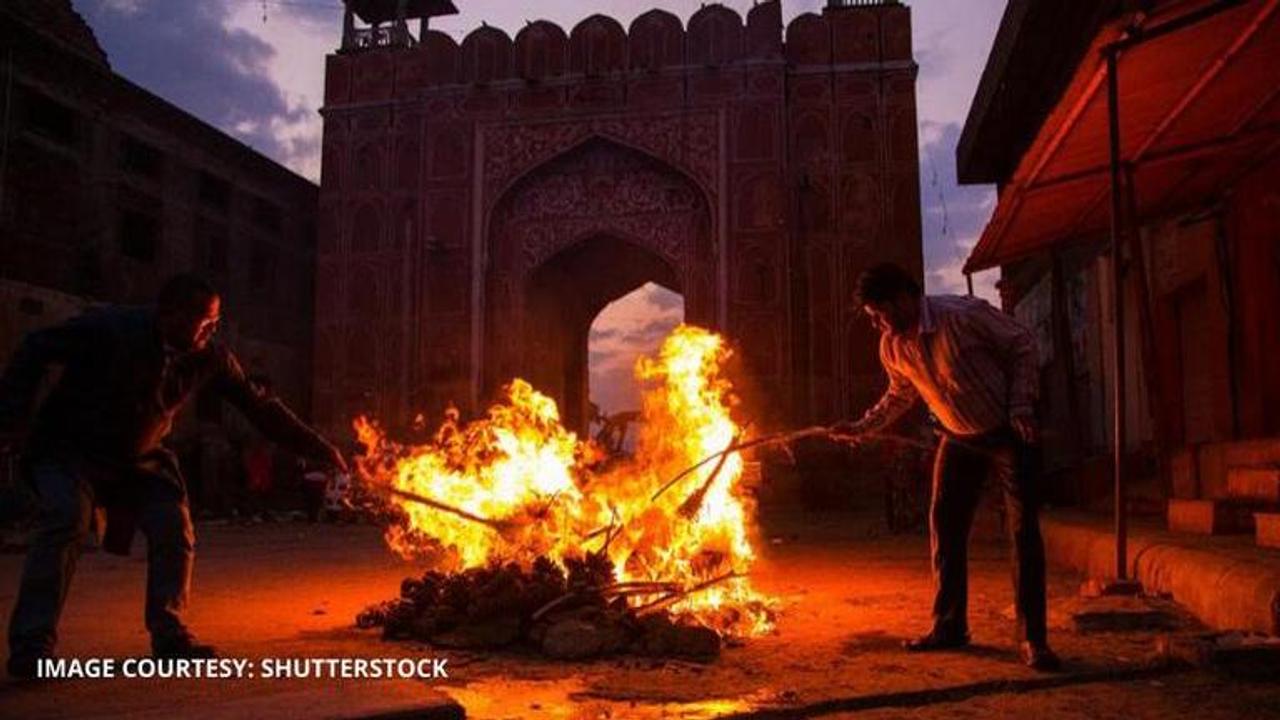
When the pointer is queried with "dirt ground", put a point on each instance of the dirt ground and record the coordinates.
(848, 597)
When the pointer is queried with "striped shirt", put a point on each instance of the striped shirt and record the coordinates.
(974, 366)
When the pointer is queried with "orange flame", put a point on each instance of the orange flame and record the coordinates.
(519, 465)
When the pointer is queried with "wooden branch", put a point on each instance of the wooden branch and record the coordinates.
(616, 590)
(641, 584)
(505, 528)
(786, 438)
(502, 527)
(674, 597)
(693, 503)
(772, 439)
(554, 604)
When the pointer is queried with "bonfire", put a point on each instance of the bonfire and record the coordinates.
(535, 537)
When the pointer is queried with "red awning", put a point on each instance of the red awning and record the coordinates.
(1199, 107)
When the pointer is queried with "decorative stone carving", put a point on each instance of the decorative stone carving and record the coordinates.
(860, 204)
(368, 166)
(447, 156)
(859, 141)
(755, 136)
(599, 188)
(757, 203)
(408, 163)
(366, 230)
(690, 142)
(446, 220)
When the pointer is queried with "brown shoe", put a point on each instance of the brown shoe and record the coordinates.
(1038, 656)
(936, 640)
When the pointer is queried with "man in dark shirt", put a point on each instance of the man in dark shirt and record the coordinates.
(96, 441)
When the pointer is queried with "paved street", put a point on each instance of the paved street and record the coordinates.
(848, 599)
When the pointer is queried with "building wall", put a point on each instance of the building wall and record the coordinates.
(802, 141)
(1201, 340)
(106, 190)
(1254, 221)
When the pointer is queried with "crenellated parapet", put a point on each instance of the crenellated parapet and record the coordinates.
(716, 37)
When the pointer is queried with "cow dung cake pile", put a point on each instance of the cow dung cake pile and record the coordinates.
(576, 612)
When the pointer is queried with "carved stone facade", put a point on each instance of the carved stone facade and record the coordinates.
(482, 202)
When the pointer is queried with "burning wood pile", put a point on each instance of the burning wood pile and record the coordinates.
(537, 541)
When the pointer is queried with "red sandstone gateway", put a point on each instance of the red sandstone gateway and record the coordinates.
(481, 202)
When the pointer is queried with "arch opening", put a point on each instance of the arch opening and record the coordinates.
(631, 327)
(563, 299)
(575, 234)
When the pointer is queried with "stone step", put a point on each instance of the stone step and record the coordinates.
(1211, 517)
(1267, 531)
(1254, 483)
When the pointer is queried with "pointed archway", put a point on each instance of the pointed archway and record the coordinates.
(576, 233)
(562, 298)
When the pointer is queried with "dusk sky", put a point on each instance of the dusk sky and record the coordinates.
(262, 81)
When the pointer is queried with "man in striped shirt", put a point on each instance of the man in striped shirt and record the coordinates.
(976, 370)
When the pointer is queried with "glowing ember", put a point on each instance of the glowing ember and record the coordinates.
(557, 499)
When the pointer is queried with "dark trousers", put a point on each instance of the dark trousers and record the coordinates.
(66, 502)
(960, 469)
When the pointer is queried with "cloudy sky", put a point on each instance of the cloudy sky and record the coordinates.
(256, 70)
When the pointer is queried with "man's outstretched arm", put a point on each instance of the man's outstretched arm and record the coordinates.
(898, 398)
(271, 416)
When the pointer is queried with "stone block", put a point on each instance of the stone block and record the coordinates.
(1267, 529)
(1210, 517)
(1215, 460)
(1254, 483)
(1183, 473)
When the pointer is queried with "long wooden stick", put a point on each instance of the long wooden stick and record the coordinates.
(611, 592)
(771, 439)
(502, 527)
(693, 503)
(537, 615)
(644, 584)
(785, 438)
(447, 508)
(677, 596)
(722, 456)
